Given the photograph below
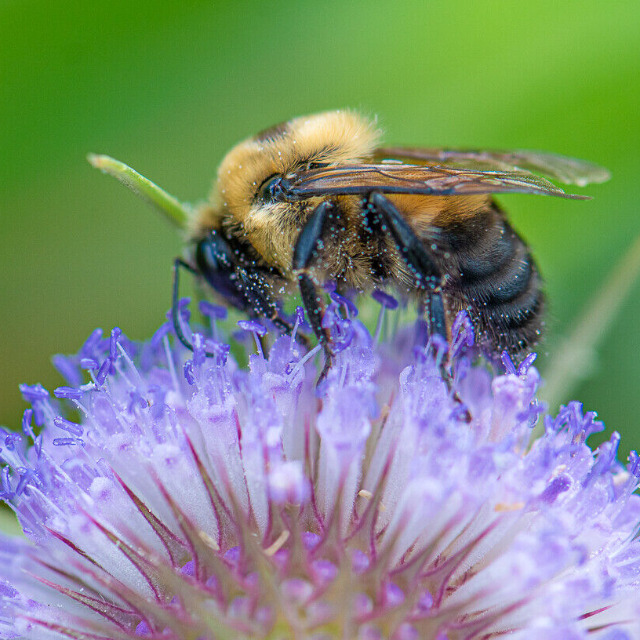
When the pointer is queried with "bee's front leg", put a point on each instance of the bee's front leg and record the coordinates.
(230, 274)
(305, 253)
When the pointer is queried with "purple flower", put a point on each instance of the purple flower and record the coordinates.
(169, 495)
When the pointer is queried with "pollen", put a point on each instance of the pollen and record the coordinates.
(503, 506)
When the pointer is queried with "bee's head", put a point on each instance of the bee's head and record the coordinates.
(248, 178)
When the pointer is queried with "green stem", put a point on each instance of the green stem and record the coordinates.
(176, 212)
(576, 355)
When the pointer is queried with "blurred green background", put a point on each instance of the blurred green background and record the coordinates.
(169, 87)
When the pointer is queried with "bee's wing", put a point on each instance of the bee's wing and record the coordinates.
(397, 177)
(562, 168)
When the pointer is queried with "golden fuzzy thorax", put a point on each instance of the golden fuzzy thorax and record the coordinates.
(272, 229)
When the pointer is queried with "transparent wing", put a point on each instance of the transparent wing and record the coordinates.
(397, 177)
(562, 168)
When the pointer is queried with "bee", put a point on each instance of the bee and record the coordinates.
(317, 200)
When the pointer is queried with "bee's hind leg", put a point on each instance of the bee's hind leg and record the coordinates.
(305, 253)
(382, 215)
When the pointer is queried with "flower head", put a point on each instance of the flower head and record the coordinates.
(176, 496)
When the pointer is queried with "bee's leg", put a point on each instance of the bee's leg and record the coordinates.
(417, 258)
(229, 272)
(175, 307)
(308, 244)
(256, 292)
(382, 214)
(243, 288)
(260, 301)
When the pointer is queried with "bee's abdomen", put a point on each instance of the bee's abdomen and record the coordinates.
(499, 283)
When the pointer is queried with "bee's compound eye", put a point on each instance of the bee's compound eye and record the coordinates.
(271, 189)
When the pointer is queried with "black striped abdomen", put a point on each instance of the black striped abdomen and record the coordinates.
(497, 280)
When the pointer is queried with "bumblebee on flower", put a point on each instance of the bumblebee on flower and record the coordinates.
(169, 492)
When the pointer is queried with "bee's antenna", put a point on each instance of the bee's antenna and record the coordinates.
(176, 212)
